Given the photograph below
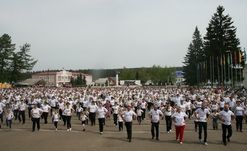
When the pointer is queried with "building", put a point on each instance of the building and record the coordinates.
(59, 78)
(179, 77)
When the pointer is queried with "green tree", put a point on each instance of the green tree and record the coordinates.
(21, 62)
(221, 46)
(194, 56)
(6, 51)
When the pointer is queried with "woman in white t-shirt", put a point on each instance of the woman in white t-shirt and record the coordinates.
(101, 111)
(55, 118)
(239, 113)
(179, 122)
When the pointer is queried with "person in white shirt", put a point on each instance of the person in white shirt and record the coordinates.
(45, 107)
(120, 120)
(101, 111)
(68, 114)
(92, 112)
(55, 118)
(201, 114)
(239, 113)
(22, 108)
(115, 113)
(179, 122)
(9, 117)
(128, 118)
(226, 116)
(83, 120)
(139, 112)
(168, 119)
(155, 114)
(36, 114)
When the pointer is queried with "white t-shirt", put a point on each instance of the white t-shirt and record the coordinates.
(179, 118)
(55, 117)
(226, 116)
(128, 115)
(101, 112)
(115, 109)
(92, 108)
(155, 115)
(36, 112)
(67, 111)
(239, 111)
(139, 112)
(46, 108)
(202, 114)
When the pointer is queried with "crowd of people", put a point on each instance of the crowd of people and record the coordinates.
(125, 104)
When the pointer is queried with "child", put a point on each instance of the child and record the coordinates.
(55, 118)
(9, 117)
(139, 112)
(215, 116)
(83, 120)
(79, 110)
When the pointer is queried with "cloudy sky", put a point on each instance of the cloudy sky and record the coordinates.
(85, 34)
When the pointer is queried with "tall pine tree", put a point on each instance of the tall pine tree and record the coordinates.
(194, 56)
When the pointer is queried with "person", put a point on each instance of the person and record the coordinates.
(92, 112)
(115, 113)
(128, 118)
(101, 111)
(225, 117)
(45, 107)
(83, 120)
(22, 108)
(239, 113)
(9, 117)
(68, 113)
(168, 119)
(139, 112)
(155, 114)
(120, 120)
(201, 115)
(35, 114)
(179, 121)
(55, 118)
(215, 117)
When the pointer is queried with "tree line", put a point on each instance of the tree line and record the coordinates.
(14, 64)
(217, 58)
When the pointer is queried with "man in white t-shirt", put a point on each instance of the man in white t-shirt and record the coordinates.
(128, 118)
(226, 116)
(155, 114)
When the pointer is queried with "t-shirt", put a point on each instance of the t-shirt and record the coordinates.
(36, 112)
(101, 112)
(239, 111)
(155, 115)
(128, 115)
(179, 118)
(226, 116)
(202, 114)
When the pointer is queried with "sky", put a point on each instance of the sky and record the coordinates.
(107, 34)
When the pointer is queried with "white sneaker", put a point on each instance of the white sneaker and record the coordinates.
(181, 143)
(70, 129)
(56, 129)
(206, 143)
(178, 140)
(67, 130)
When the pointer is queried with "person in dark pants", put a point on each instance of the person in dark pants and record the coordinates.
(239, 113)
(155, 114)
(68, 113)
(168, 119)
(22, 108)
(35, 114)
(92, 113)
(201, 115)
(101, 111)
(226, 116)
(128, 118)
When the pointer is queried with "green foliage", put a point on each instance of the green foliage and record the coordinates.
(14, 65)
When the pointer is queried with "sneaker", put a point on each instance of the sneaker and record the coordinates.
(181, 143)
(178, 140)
(200, 141)
(205, 143)
(100, 133)
(70, 129)
(67, 130)
(56, 129)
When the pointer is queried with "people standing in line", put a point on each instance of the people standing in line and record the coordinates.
(128, 116)
(9, 117)
(36, 114)
(68, 114)
(226, 116)
(101, 111)
(92, 112)
(168, 119)
(45, 107)
(55, 118)
(239, 113)
(201, 114)
(83, 119)
(179, 122)
(22, 108)
(155, 114)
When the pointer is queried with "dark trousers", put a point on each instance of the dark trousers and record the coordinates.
(21, 116)
(60, 113)
(115, 118)
(188, 112)
(143, 113)
(29, 111)
(239, 122)
(68, 120)
(92, 118)
(16, 114)
(36, 121)
(101, 124)
(215, 123)
(226, 132)
(196, 125)
(55, 124)
(120, 126)
(202, 125)
(45, 116)
(156, 127)
(9, 123)
(168, 123)
(1, 117)
(128, 126)
(139, 119)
